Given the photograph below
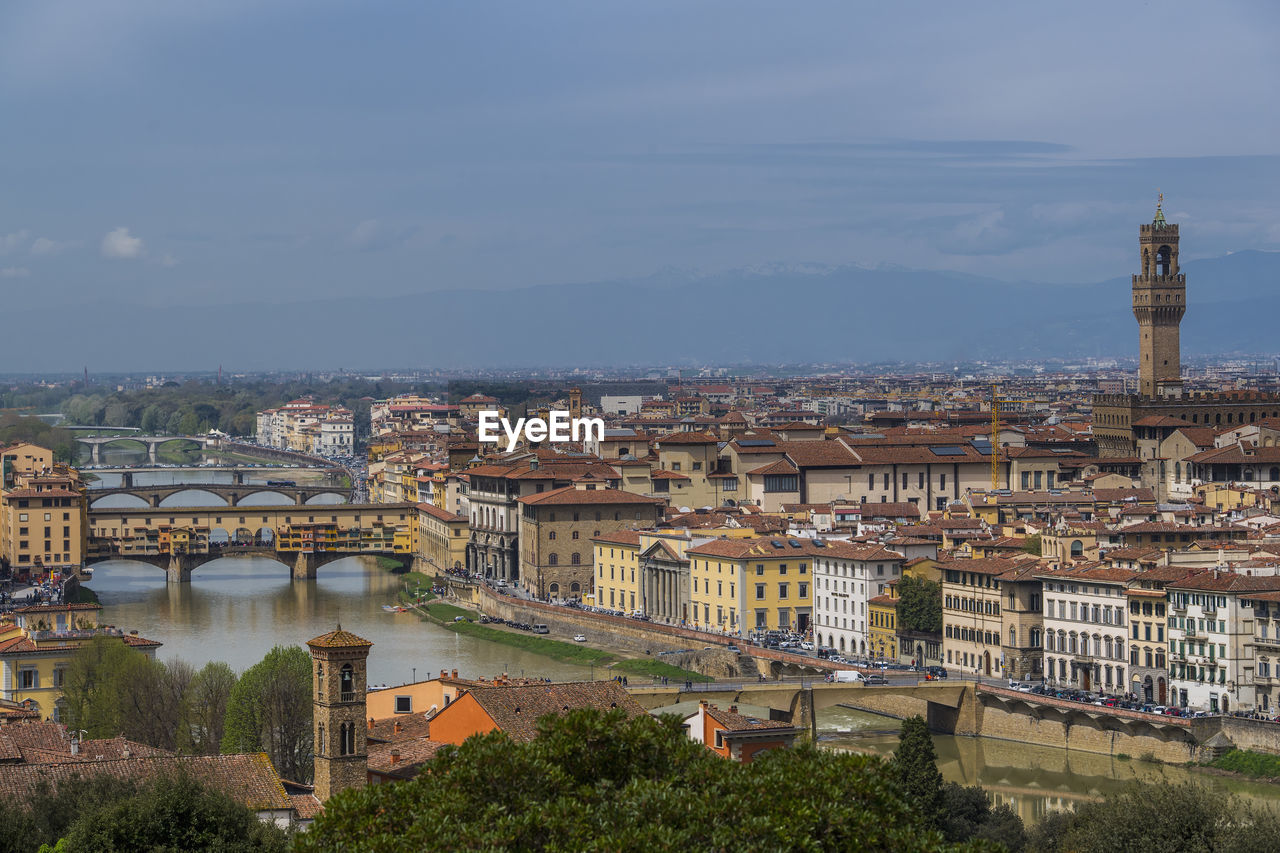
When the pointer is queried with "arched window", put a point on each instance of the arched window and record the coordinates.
(575, 587)
(1035, 637)
(320, 741)
(575, 558)
(347, 682)
(551, 535)
(1077, 548)
(1013, 636)
(553, 559)
(347, 738)
(554, 589)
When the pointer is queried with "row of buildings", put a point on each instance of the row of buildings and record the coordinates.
(304, 426)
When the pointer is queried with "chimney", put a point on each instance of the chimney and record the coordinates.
(733, 709)
(454, 673)
(395, 754)
(371, 724)
(127, 753)
(396, 728)
(75, 746)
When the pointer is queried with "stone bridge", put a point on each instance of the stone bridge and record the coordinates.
(234, 495)
(963, 709)
(302, 564)
(151, 442)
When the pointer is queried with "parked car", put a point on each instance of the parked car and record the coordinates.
(875, 679)
(579, 638)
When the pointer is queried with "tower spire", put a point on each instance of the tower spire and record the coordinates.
(1159, 220)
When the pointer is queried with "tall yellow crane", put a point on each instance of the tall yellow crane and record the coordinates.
(996, 400)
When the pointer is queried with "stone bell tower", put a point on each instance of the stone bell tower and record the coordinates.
(1159, 301)
(338, 676)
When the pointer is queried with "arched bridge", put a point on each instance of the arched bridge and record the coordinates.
(302, 564)
(151, 442)
(179, 539)
(234, 495)
(963, 709)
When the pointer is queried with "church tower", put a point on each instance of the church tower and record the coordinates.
(341, 733)
(1159, 301)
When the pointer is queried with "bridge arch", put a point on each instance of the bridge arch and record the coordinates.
(254, 498)
(185, 497)
(323, 498)
(117, 501)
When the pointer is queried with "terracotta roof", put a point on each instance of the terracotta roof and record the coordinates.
(571, 496)
(619, 537)
(410, 756)
(411, 726)
(687, 438)
(56, 608)
(782, 466)
(1220, 581)
(442, 514)
(516, 710)
(247, 778)
(991, 565)
(735, 722)
(306, 805)
(890, 510)
(338, 639)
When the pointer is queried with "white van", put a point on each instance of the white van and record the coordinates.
(847, 676)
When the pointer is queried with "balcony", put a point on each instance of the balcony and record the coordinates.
(1267, 643)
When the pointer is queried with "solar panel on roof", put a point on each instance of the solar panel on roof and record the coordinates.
(756, 442)
(947, 450)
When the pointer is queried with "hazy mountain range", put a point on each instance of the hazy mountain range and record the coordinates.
(765, 315)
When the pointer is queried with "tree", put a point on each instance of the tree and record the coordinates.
(1032, 545)
(1160, 816)
(90, 689)
(919, 605)
(176, 813)
(916, 764)
(269, 711)
(969, 816)
(204, 709)
(150, 694)
(598, 781)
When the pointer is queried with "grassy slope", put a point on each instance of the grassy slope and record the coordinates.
(656, 668)
(444, 614)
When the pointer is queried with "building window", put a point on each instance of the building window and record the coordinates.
(759, 591)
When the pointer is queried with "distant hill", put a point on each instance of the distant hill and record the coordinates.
(762, 316)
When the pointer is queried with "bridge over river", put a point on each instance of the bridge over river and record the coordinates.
(179, 540)
(233, 494)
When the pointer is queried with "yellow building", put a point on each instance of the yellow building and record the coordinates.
(882, 624)
(617, 562)
(23, 459)
(43, 521)
(36, 650)
(753, 584)
(442, 537)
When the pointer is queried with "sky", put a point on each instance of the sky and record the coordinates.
(202, 153)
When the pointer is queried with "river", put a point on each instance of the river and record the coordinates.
(235, 609)
(1032, 779)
